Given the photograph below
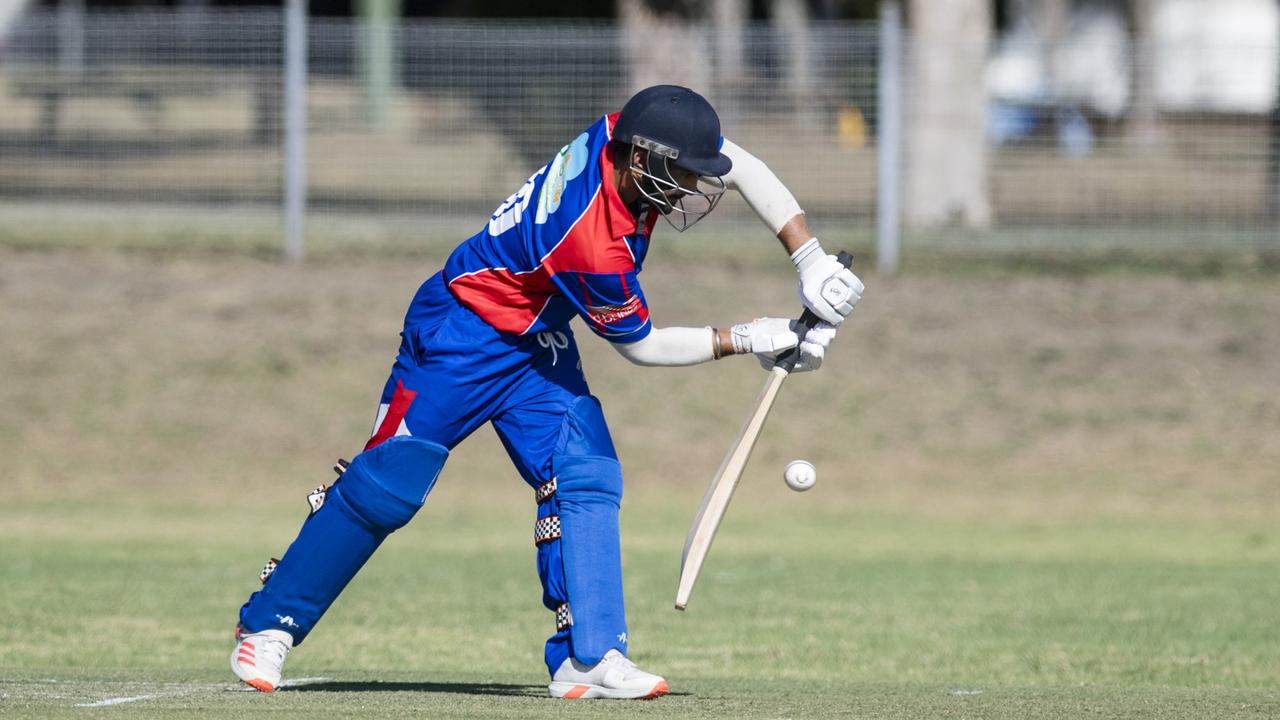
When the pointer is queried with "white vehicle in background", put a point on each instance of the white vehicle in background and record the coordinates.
(1217, 56)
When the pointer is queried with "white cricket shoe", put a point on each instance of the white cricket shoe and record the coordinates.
(614, 677)
(258, 658)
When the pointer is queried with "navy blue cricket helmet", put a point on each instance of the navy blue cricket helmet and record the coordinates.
(676, 123)
(676, 127)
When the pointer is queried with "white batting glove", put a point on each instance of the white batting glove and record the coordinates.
(813, 348)
(827, 288)
(764, 337)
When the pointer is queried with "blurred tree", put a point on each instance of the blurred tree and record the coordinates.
(522, 8)
(662, 46)
(818, 9)
(1143, 125)
(377, 54)
(417, 8)
(791, 18)
(946, 148)
(731, 83)
(1053, 17)
(1271, 203)
(858, 9)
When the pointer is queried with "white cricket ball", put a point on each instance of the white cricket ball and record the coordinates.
(800, 475)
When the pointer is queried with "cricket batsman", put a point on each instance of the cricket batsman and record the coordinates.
(487, 340)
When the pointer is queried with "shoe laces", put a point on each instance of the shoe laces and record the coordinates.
(620, 660)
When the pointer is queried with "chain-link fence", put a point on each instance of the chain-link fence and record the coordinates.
(134, 122)
(423, 127)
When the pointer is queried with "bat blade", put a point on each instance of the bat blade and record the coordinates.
(716, 501)
(703, 530)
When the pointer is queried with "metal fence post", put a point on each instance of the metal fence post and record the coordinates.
(889, 139)
(295, 129)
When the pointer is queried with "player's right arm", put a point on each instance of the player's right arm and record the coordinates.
(827, 287)
(764, 337)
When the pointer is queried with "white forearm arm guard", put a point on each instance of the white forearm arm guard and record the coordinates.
(762, 190)
(670, 347)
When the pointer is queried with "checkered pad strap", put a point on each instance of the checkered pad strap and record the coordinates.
(316, 498)
(563, 618)
(544, 490)
(546, 529)
(267, 569)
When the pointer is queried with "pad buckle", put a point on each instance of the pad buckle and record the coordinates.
(267, 569)
(316, 497)
(544, 490)
(546, 529)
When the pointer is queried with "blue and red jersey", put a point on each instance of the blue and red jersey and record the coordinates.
(563, 245)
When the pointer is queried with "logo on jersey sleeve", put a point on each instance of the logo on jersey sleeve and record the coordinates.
(568, 164)
(610, 314)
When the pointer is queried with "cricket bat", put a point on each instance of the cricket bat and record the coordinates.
(720, 492)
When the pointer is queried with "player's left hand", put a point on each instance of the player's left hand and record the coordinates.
(765, 335)
(827, 288)
(813, 347)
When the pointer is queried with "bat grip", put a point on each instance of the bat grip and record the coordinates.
(787, 360)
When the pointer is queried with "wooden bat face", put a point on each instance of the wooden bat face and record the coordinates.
(720, 492)
(716, 501)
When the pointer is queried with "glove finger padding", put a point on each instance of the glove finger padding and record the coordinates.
(813, 347)
(820, 335)
(810, 358)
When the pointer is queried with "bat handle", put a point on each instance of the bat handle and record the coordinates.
(787, 360)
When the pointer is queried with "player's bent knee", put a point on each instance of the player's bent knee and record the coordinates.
(588, 479)
(387, 484)
(586, 462)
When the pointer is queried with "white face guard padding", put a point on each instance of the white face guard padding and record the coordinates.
(682, 207)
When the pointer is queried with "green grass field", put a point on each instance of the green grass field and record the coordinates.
(1040, 496)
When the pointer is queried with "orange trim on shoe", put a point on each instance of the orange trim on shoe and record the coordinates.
(260, 685)
(576, 692)
(658, 691)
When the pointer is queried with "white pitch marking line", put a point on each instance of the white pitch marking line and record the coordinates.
(192, 689)
(117, 701)
(967, 692)
(187, 691)
(304, 681)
